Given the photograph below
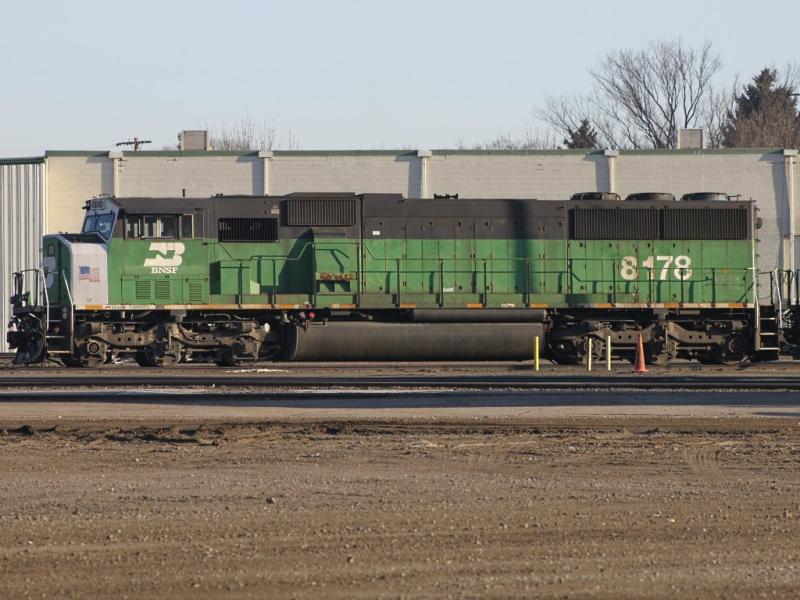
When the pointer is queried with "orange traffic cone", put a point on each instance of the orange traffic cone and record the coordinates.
(640, 366)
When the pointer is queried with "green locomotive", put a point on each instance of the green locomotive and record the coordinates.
(381, 277)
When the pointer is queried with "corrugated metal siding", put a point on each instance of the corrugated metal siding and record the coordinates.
(615, 224)
(23, 214)
(321, 211)
(705, 224)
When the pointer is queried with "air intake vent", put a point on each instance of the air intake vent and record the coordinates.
(595, 196)
(650, 197)
(614, 224)
(163, 290)
(313, 212)
(196, 292)
(248, 230)
(708, 196)
(144, 290)
(705, 224)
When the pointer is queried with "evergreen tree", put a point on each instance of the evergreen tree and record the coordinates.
(583, 136)
(764, 114)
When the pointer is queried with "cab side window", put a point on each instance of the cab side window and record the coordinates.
(133, 226)
(187, 227)
(158, 226)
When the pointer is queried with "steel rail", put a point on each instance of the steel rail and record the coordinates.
(482, 382)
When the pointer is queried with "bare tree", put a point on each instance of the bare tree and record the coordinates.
(640, 98)
(719, 104)
(566, 113)
(292, 143)
(245, 134)
(531, 139)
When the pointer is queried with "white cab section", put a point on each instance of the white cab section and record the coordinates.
(89, 281)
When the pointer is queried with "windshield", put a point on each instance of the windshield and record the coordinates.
(99, 223)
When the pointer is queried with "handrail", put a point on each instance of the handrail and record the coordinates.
(485, 268)
(46, 304)
(41, 280)
(71, 311)
(779, 297)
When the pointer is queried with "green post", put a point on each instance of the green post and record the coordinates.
(274, 283)
(486, 286)
(614, 282)
(398, 282)
(713, 286)
(441, 282)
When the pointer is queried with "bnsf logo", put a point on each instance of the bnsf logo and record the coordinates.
(167, 259)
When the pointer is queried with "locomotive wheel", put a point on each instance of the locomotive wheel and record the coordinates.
(145, 359)
(244, 349)
(73, 362)
(660, 354)
(576, 352)
(564, 356)
(151, 356)
(226, 358)
(730, 353)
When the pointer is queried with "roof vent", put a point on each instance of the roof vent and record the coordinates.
(690, 139)
(650, 197)
(194, 139)
(707, 196)
(595, 196)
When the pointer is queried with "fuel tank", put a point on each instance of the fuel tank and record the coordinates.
(365, 341)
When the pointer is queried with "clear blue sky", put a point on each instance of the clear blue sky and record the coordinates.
(339, 73)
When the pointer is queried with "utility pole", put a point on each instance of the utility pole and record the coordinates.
(135, 142)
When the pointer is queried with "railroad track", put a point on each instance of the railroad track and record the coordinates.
(233, 382)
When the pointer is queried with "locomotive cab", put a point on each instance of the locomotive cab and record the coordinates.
(75, 265)
(74, 271)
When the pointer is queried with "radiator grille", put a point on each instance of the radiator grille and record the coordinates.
(248, 230)
(163, 289)
(143, 289)
(196, 292)
(321, 212)
(614, 224)
(705, 224)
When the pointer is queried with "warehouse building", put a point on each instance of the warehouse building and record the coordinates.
(45, 194)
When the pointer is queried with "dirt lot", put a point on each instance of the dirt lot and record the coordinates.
(614, 508)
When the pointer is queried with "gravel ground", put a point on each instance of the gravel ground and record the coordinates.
(619, 507)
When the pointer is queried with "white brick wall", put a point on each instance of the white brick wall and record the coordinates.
(345, 173)
(71, 180)
(757, 174)
(197, 175)
(546, 176)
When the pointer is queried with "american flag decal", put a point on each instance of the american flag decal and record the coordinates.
(91, 274)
